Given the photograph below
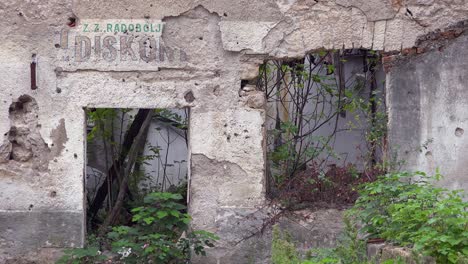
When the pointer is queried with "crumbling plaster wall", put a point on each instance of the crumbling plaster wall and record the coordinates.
(224, 41)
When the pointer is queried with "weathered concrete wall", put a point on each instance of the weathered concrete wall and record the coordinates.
(223, 42)
(427, 99)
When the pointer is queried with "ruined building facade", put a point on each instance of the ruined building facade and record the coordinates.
(54, 63)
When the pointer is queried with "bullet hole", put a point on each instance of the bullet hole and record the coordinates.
(236, 135)
(71, 21)
(53, 194)
(244, 82)
(30, 207)
(58, 90)
(147, 17)
(123, 80)
(225, 125)
(20, 14)
(409, 13)
(151, 5)
(228, 138)
(246, 131)
(52, 144)
(200, 38)
(459, 132)
(196, 84)
(216, 90)
(75, 156)
(57, 45)
(247, 137)
(189, 97)
(225, 14)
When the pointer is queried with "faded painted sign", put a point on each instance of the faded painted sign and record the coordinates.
(117, 45)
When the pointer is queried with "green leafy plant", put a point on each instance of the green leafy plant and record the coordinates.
(407, 209)
(156, 233)
(159, 234)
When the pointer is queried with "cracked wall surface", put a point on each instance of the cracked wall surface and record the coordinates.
(223, 43)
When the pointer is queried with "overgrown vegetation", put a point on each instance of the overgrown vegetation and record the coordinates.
(137, 216)
(117, 138)
(309, 103)
(158, 234)
(404, 209)
(312, 101)
(407, 209)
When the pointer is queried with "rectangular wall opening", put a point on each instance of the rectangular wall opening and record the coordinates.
(129, 154)
(326, 125)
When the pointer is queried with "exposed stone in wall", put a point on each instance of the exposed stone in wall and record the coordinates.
(23, 141)
(5, 152)
(252, 97)
(23, 145)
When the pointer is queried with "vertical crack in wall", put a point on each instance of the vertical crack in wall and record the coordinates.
(23, 143)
